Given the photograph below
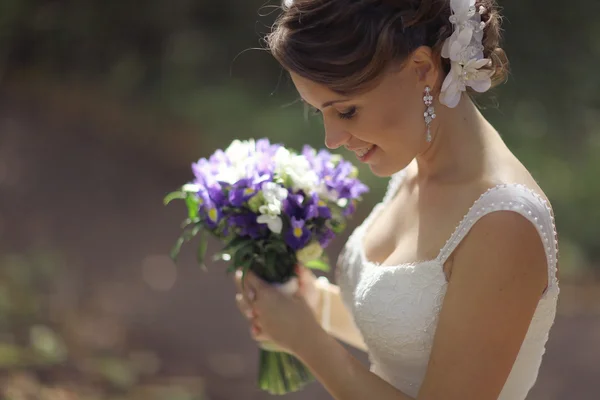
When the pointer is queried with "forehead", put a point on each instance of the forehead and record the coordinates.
(312, 92)
(390, 83)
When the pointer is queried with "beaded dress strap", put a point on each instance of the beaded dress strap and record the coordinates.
(510, 197)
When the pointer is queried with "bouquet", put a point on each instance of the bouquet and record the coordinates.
(272, 209)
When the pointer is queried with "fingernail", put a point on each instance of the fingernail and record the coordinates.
(251, 295)
(238, 273)
(249, 314)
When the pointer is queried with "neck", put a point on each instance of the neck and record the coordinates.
(460, 137)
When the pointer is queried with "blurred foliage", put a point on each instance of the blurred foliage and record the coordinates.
(41, 359)
(187, 59)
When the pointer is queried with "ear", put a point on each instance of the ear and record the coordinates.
(424, 65)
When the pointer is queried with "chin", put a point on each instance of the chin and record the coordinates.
(385, 170)
(382, 172)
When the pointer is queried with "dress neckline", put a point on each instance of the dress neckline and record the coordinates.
(437, 260)
(363, 256)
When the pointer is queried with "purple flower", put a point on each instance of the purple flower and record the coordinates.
(326, 237)
(349, 209)
(317, 208)
(265, 151)
(219, 158)
(212, 213)
(211, 205)
(344, 185)
(298, 236)
(242, 191)
(293, 206)
(245, 224)
(216, 193)
(238, 196)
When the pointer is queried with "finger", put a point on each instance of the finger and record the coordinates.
(246, 283)
(305, 280)
(243, 306)
(238, 280)
(257, 333)
(252, 286)
(301, 277)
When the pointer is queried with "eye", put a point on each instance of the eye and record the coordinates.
(348, 114)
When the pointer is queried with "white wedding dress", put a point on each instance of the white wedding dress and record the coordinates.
(396, 308)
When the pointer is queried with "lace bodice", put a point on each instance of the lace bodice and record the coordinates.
(396, 308)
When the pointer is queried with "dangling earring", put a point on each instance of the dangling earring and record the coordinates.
(429, 112)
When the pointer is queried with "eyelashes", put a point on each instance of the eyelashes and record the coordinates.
(349, 114)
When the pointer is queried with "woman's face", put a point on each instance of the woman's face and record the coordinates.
(384, 127)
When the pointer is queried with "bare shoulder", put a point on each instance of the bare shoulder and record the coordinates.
(505, 243)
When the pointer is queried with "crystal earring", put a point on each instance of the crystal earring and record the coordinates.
(429, 112)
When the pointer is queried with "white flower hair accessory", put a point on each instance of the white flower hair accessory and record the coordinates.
(465, 51)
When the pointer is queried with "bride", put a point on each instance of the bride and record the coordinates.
(450, 284)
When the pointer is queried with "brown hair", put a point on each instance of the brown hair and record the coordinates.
(347, 44)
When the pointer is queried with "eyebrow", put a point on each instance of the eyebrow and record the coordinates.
(332, 102)
(327, 103)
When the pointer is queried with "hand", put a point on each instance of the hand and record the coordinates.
(308, 288)
(285, 320)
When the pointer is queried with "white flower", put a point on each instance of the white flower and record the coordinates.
(460, 77)
(238, 150)
(297, 169)
(465, 50)
(273, 195)
(191, 187)
(230, 174)
(274, 223)
(240, 156)
(312, 252)
(325, 193)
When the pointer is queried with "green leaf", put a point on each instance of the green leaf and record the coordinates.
(174, 196)
(236, 243)
(243, 258)
(230, 250)
(231, 269)
(276, 247)
(177, 248)
(243, 253)
(186, 236)
(245, 267)
(189, 221)
(271, 263)
(318, 264)
(337, 226)
(193, 205)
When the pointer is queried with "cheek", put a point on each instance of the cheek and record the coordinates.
(402, 122)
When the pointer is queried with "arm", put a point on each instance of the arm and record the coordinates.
(339, 322)
(498, 275)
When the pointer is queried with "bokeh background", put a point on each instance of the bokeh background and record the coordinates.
(103, 107)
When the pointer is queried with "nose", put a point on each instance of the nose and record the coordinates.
(335, 136)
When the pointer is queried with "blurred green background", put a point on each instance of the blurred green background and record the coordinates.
(103, 107)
